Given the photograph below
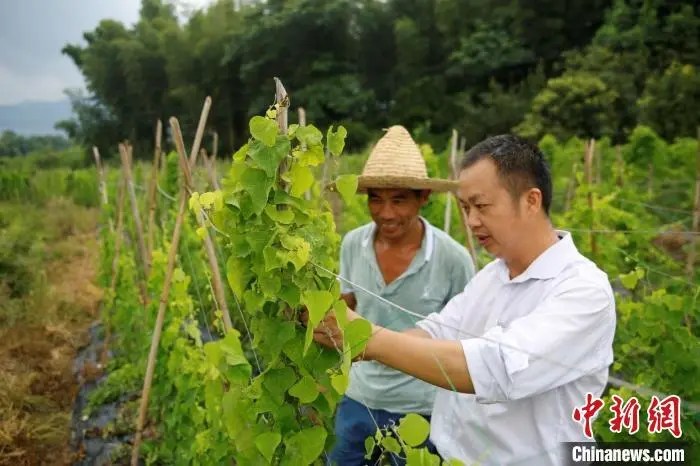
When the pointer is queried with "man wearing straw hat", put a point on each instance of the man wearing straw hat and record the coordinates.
(403, 258)
(529, 342)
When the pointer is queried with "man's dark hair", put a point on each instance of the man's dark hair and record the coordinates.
(520, 164)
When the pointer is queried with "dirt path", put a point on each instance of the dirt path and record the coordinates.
(37, 383)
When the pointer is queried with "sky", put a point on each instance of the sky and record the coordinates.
(32, 33)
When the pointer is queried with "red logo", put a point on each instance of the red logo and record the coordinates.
(665, 415)
(587, 412)
(626, 415)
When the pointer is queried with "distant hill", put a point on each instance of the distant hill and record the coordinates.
(34, 118)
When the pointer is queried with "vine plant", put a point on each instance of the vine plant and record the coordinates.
(278, 408)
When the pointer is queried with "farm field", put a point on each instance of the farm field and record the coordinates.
(129, 248)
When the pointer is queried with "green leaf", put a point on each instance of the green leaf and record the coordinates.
(356, 335)
(267, 444)
(413, 429)
(347, 186)
(340, 382)
(277, 382)
(341, 313)
(264, 130)
(317, 302)
(270, 285)
(391, 444)
(309, 135)
(269, 158)
(629, 280)
(241, 153)
(291, 294)
(305, 389)
(311, 157)
(257, 185)
(336, 140)
(370, 443)
(308, 444)
(301, 178)
(238, 275)
(284, 217)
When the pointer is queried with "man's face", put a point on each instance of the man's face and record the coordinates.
(498, 221)
(395, 211)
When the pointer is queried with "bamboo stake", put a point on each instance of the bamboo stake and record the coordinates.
(103, 183)
(155, 340)
(571, 187)
(448, 201)
(690, 264)
(598, 162)
(462, 146)
(462, 215)
(210, 170)
(200, 131)
(208, 245)
(101, 174)
(282, 102)
(185, 166)
(115, 264)
(212, 160)
(152, 190)
(302, 123)
(126, 166)
(620, 165)
(589, 180)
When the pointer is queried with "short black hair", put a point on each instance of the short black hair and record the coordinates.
(520, 164)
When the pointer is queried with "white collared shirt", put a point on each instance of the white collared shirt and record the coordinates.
(562, 308)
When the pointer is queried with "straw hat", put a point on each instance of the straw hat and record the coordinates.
(396, 162)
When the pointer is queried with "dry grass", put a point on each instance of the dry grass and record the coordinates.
(37, 387)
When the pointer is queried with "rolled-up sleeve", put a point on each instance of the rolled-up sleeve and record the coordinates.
(567, 336)
(445, 325)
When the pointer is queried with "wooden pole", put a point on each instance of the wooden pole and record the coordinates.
(212, 160)
(155, 340)
(210, 170)
(462, 215)
(103, 183)
(571, 186)
(282, 102)
(115, 265)
(208, 245)
(598, 162)
(620, 165)
(152, 190)
(184, 196)
(302, 123)
(200, 131)
(126, 166)
(448, 201)
(589, 180)
(690, 264)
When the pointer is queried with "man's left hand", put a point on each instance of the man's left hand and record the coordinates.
(327, 332)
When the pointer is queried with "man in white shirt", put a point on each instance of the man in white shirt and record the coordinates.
(528, 338)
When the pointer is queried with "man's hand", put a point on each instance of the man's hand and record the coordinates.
(327, 332)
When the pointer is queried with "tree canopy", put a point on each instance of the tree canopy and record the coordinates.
(591, 68)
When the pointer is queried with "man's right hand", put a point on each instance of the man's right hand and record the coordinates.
(350, 300)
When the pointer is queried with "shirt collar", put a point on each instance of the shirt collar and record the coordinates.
(427, 244)
(550, 263)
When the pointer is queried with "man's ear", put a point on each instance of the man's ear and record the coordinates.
(533, 198)
(424, 195)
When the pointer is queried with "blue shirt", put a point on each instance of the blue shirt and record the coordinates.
(440, 270)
